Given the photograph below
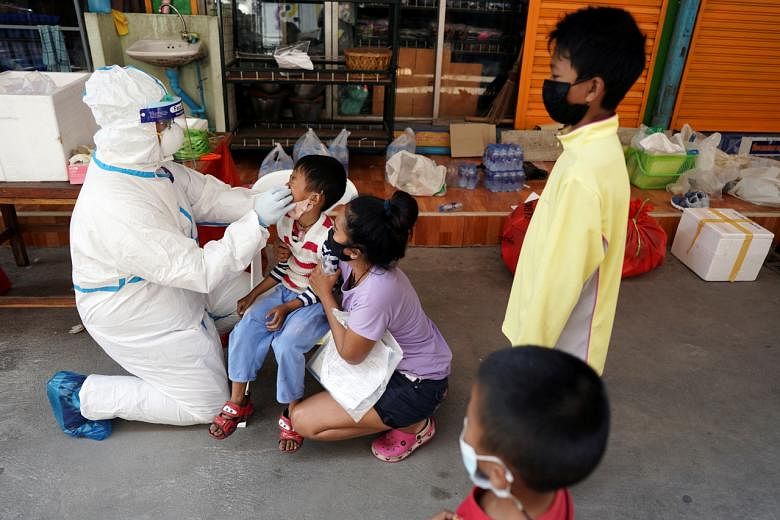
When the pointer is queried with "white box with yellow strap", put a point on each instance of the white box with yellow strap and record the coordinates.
(721, 244)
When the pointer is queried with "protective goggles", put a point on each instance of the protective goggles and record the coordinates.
(167, 108)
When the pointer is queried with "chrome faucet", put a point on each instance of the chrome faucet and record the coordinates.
(185, 35)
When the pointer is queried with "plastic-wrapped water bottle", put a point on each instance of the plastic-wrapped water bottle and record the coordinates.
(330, 262)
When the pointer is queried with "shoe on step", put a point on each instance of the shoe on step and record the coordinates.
(692, 199)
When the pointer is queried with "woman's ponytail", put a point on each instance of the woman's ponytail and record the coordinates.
(381, 228)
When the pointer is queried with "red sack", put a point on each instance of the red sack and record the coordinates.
(5, 283)
(645, 240)
(512, 235)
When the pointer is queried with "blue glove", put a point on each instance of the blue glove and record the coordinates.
(271, 205)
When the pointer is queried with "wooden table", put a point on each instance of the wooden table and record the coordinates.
(40, 194)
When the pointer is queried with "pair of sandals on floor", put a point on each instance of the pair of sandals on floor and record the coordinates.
(393, 446)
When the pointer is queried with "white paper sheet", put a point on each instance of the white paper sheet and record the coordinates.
(356, 387)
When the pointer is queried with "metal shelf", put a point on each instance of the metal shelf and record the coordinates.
(368, 2)
(463, 6)
(265, 70)
(420, 4)
(413, 43)
(485, 49)
(481, 6)
(263, 135)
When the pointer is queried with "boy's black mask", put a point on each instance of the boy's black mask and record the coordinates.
(554, 96)
(335, 248)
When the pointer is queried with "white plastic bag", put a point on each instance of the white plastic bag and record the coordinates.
(277, 159)
(308, 144)
(356, 388)
(406, 141)
(31, 83)
(415, 174)
(714, 167)
(339, 150)
(759, 185)
(294, 56)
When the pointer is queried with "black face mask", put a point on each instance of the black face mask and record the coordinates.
(554, 96)
(335, 248)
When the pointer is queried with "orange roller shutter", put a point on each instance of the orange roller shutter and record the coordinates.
(731, 80)
(542, 17)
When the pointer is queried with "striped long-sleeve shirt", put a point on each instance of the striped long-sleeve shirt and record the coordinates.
(305, 254)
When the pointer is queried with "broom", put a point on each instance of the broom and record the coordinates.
(503, 101)
(501, 104)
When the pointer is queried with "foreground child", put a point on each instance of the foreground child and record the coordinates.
(537, 422)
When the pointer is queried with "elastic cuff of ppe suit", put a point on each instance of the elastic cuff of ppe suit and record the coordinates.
(260, 221)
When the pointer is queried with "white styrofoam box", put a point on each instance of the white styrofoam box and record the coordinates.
(38, 132)
(721, 244)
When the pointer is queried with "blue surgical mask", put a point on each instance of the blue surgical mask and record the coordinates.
(471, 460)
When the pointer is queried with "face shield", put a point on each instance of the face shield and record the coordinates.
(162, 114)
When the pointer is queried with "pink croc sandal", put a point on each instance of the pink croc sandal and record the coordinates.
(395, 445)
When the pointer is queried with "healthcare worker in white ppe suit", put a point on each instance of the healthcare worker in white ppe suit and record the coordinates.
(146, 292)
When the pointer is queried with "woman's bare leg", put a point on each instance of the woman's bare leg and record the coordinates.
(321, 418)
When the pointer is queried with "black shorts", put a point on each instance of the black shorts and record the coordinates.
(406, 402)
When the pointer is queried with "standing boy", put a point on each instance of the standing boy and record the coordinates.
(566, 285)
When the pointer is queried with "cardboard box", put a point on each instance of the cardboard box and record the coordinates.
(470, 139)
(721, 244)
(461, 87)
(39, 131)
(414, 97)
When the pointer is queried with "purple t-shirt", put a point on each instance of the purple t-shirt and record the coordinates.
(386, 300)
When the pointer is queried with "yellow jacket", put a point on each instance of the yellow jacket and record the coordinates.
(566, 285)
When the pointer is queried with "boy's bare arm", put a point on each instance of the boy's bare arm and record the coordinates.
(245, 302)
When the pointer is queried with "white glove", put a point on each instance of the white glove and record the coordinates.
(271, 205)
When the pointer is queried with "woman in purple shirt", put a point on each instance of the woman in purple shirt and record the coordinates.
(369, 236)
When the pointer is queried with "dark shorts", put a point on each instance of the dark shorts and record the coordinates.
(406, 402)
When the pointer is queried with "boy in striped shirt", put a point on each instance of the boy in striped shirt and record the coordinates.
(290, 317)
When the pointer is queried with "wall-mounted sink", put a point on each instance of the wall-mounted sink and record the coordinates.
(166, 53)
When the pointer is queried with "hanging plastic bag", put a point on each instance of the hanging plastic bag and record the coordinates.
(294, 56)
(415, 174)
(339, 150)
(406, 141)
(308, 144)
(277, 159)
(645, 240)
(515, 228)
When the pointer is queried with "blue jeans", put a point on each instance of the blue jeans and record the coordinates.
(250, 341)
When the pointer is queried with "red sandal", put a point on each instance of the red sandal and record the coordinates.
(227, 420)
(286, 433)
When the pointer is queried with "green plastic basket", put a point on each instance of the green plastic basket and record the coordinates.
(655, 171)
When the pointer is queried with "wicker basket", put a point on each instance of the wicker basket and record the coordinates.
(367, 58)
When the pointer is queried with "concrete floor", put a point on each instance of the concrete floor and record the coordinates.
(693, 375)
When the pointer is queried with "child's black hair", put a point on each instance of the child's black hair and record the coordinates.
(604, 42)
(324, 174)
(544, 413)
(381, 228)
